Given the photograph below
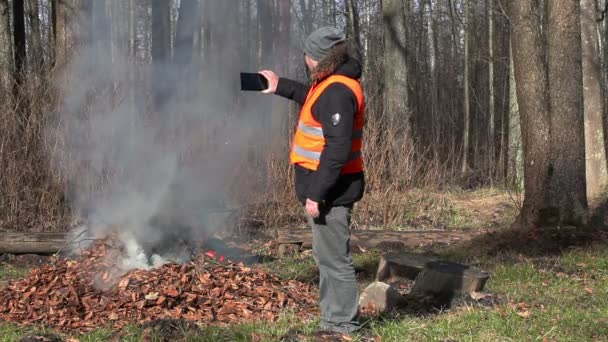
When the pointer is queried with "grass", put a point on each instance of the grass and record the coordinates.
(8, 272)
(425, 210)
(543, 297)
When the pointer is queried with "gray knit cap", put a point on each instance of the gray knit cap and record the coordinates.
(319, 43)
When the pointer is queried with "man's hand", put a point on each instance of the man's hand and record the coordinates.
(312, 208)
(273, 81)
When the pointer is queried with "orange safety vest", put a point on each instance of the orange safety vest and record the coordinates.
(309, 140)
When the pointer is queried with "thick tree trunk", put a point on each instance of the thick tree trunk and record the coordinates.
(597, 177)
(567, 193)
(533, 100)
(6, 52)
(395, 66)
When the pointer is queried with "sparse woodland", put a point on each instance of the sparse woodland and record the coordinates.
(510, 94)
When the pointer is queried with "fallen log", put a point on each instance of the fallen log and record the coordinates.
(32, 243)
(448, 278)
(378, 238)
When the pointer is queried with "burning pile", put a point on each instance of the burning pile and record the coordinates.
(84, 294)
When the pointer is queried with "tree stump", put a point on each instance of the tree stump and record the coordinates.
(448, 278)
(395, 267)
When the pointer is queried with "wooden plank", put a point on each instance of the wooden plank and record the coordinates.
(376, 238)
(32, 243)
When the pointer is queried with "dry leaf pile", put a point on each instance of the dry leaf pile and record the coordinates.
(84, 294)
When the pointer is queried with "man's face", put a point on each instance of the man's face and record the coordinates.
(310, 63)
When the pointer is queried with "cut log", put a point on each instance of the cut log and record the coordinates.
(3, 284)
(394, 267)
(32, 243)
(380, 297)
(448, 278)
(379, 238)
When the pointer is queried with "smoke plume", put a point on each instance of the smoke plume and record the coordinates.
(151, 150)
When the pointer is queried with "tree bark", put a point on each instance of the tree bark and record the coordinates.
(467, 105)
(515, 164)
(6, 52)
(187, 25)
(161, 53)
(66, 28)
(161, 31)
(101, 31)
(597, 176)
(492, 97)
(352, 26)
(395, 66)
(33, 14)
(568, 187)
(533, 99)
(19, 39)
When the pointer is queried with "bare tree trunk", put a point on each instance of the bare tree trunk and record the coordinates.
(187, 25)
(352, 25)
(597, 176)
(568, 186)
(533, 100)
(395, 66)
(6, 52)
(161, 51)
(66, 18)
(101, 31)
(35, 35)
(515, 163)
(265, 24)
(161, 31)
(492, 97)
(467, 106)
(19, 40)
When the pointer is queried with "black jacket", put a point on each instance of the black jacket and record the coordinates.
(327, 185)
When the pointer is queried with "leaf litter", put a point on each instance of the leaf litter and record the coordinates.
(89, 292)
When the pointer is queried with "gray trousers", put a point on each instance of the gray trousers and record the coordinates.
(339, 292)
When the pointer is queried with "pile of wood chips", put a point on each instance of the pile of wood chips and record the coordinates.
(88, 293)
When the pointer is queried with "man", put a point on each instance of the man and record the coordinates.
(329, 177)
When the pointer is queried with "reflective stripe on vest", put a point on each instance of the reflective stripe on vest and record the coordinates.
(309, 139)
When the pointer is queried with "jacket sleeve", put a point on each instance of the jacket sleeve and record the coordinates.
(292, 90)
(336, 110)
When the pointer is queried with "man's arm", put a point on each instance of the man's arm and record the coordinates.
(292, 90)
(336, 110)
